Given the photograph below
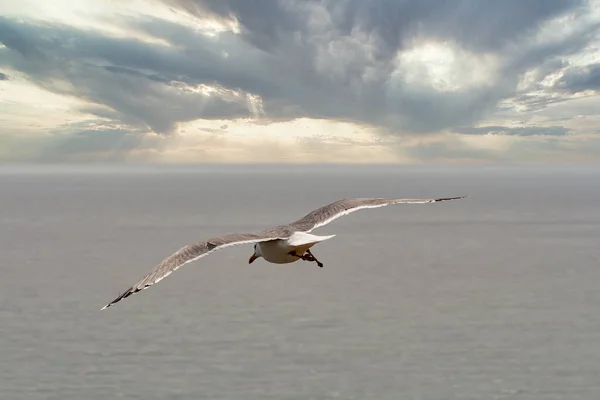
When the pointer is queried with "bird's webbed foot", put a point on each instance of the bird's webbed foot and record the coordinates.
(308, 256)
(319, 263)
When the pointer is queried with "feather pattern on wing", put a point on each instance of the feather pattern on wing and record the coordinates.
(191, 253)
(330, 212)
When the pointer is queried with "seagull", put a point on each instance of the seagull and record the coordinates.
(281, 244)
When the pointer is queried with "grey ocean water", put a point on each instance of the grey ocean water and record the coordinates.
(493, 297)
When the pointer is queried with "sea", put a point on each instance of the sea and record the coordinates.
(496, 296)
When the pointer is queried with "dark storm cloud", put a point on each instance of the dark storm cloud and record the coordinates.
(286, 30)
(329, 59)
(495, 22)
(515, 131)
(581, 79)
(264, 22)
(3, 77)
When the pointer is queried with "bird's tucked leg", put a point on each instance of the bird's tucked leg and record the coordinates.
(319, 263)
(308, 256)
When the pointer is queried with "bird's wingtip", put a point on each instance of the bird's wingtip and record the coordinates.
(452, 198)
(126, 294)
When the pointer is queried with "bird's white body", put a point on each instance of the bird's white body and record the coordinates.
(278, 251)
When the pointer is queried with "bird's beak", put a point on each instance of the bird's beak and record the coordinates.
(254, 257)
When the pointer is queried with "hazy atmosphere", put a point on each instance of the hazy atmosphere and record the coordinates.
(414, 81)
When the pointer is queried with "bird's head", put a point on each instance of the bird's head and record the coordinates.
(256, 254)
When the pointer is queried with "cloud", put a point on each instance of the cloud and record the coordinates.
(515, 131)
(268, 24)
(581, 79)
(96, 139)
(325, 60)
(404, 68)
(211, 142)
(3, 77)
(109, 71)
(349, 53)
(84, 141)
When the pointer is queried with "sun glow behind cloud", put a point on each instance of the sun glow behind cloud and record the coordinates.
(444, 67)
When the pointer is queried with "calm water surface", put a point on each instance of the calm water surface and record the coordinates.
(492, 297)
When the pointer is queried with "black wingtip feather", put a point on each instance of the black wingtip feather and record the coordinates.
(125, 294)
(451, 198)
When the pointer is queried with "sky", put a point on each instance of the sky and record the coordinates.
(329, 81)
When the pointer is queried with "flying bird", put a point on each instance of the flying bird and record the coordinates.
(280, 244)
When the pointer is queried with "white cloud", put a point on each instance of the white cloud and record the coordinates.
(445, 67)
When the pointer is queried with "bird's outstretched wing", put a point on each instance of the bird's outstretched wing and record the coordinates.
(188, 254)
(330, 212)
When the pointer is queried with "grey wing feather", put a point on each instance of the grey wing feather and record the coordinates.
(330, 212)
(191, 253)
